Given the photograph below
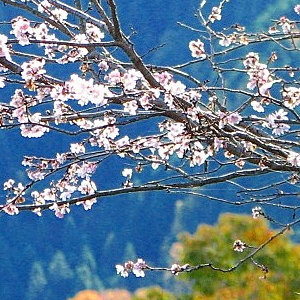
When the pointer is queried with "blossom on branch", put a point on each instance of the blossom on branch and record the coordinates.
(239, 246)
(197, 49)
(137, 268)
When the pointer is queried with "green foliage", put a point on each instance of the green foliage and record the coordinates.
(152, 293)
(213, 244)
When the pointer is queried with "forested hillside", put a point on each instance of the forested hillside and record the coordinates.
(49, 258)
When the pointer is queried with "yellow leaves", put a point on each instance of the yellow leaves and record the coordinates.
(106, 295)
(213, 244)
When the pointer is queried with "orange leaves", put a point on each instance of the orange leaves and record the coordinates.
(106, 295)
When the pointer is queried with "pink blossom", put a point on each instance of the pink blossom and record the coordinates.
(127, 172)
(176, 88)
(60, 210)
(11, 209)
(257, 106)
(291, 96)
(4, 52)
(297, 9)
(286, 24)
(164, 78)
(122, 271)
(197, 49)
(59, 14)
(49, 194)
(124, 141)
(175, 269)
(256, 212)
(139, 267)
(36, 175)
(293, 159)
(130, 107)
(145, 102)
(225, 41)
(231, 118)
(114, 77)
(94, 34)
(86, 169)
(21, 30)
(2, 82)
(44, 6)
(87, 204)
(77, 148)
(87, 187)
(33, 69)
(239, 246)
(130, 78)
(8, 184)
(36, 131)
(215, 14)
(251, 60)
(273, 121)
(103, 65)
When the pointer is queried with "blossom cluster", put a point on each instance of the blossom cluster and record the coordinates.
(137, 268)
(16, 193)
(259, 75)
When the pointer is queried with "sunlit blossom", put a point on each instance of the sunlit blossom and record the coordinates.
(239, 246)
(4, 51)
(11, 209)
(197, 49)
(256, 212)
(8, 184)
(21, 29)
(77, 148)
(139, 267)
(215, 14)
(297, 9)
(273, 121)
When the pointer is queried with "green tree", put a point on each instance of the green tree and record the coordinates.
(152, 293)
(214, 244)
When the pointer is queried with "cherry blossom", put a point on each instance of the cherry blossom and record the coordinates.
(44, 6)
(60, 210)
(294, 158)
(8, 184)
(11, 209)
(4, 51)
(22, 30)
(137, 268)
(257, 106)
(87, 187)
(127, 172)
(215, 14)
(33, 69)
(239, 246)
(225, 41)
(256, 212)
(87, 204)
(130, 107)
(297, 9)
(122, 271)
(197, 49)
(291, 96)
(231, 118)
(273, 121)
(286, 24)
